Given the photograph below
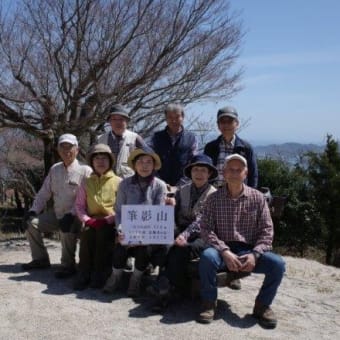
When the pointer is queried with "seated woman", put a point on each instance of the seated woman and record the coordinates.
(94, 207)
(189, 202)
(141, 188)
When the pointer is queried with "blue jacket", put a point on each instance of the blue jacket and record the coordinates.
(241, 147)
(174, 157)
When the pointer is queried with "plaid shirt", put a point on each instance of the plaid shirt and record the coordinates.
(225, 149)
(244, 219)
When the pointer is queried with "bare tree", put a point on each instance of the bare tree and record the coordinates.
(20, 163)
(63, 63)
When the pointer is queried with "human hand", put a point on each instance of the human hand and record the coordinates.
(170, 201)
(248, 262)
(180, 241)
(120, 237)
(231, 260)
(27, 219)
(95, 223)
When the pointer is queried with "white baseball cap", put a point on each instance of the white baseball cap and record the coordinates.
(237, 157)
(68, 138)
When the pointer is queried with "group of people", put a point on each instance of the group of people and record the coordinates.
(221, 219)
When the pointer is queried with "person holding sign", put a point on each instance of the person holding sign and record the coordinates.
(94, 206)
(143, 188)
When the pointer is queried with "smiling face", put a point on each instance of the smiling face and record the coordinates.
(67, 152)
(101, 163)
(235, 172)
(144, 165)
(200, 175)
(118, 124)
(227, 126)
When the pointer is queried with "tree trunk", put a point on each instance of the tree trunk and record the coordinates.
(18, 200)
(50, 156)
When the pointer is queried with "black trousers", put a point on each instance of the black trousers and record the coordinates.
(96, 248)
(177, 265)
(154, 254)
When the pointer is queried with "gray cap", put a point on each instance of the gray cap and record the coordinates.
(227, 111)
(118, 109)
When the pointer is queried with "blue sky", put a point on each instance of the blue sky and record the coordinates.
(291, 59)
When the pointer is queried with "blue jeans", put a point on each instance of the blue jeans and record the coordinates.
(269, 264)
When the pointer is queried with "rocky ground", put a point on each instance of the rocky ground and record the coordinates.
(37, 306)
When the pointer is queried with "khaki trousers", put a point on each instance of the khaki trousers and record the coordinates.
(47, 222)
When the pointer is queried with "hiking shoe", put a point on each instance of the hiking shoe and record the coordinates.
(36, 264)
(64, 272)
(82, 281)
(234, 284)
(233, 279)
(161, 304)
(207, 312)
(265, 315)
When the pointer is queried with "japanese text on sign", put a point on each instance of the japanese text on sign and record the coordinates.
(148, 224)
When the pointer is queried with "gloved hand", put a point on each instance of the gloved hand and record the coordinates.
(96, 223)
(65, 223)
(29, 215)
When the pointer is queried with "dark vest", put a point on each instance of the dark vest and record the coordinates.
(174, 157)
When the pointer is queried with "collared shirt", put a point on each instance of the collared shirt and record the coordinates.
(61, 184)
(244, 219)
(130, 192)
(225, 149)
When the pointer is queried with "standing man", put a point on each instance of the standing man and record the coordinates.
(61, 184)
(174, 145)
(121, 140)
(228, 143)
(237, 226)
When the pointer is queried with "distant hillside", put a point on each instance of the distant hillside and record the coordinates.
(286, 151)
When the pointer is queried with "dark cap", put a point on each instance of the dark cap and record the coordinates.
(227, 111)
(118, 109)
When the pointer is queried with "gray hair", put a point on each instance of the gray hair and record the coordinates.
(174, 107)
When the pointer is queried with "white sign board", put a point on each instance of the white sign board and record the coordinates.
(147, 224)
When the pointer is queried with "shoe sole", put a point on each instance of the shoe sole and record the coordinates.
(204, 321)
(265, 323)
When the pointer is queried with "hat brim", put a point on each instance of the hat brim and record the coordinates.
(126, 116)
(89, 157)
(214, 172)
(138, 152)
(228, 114)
